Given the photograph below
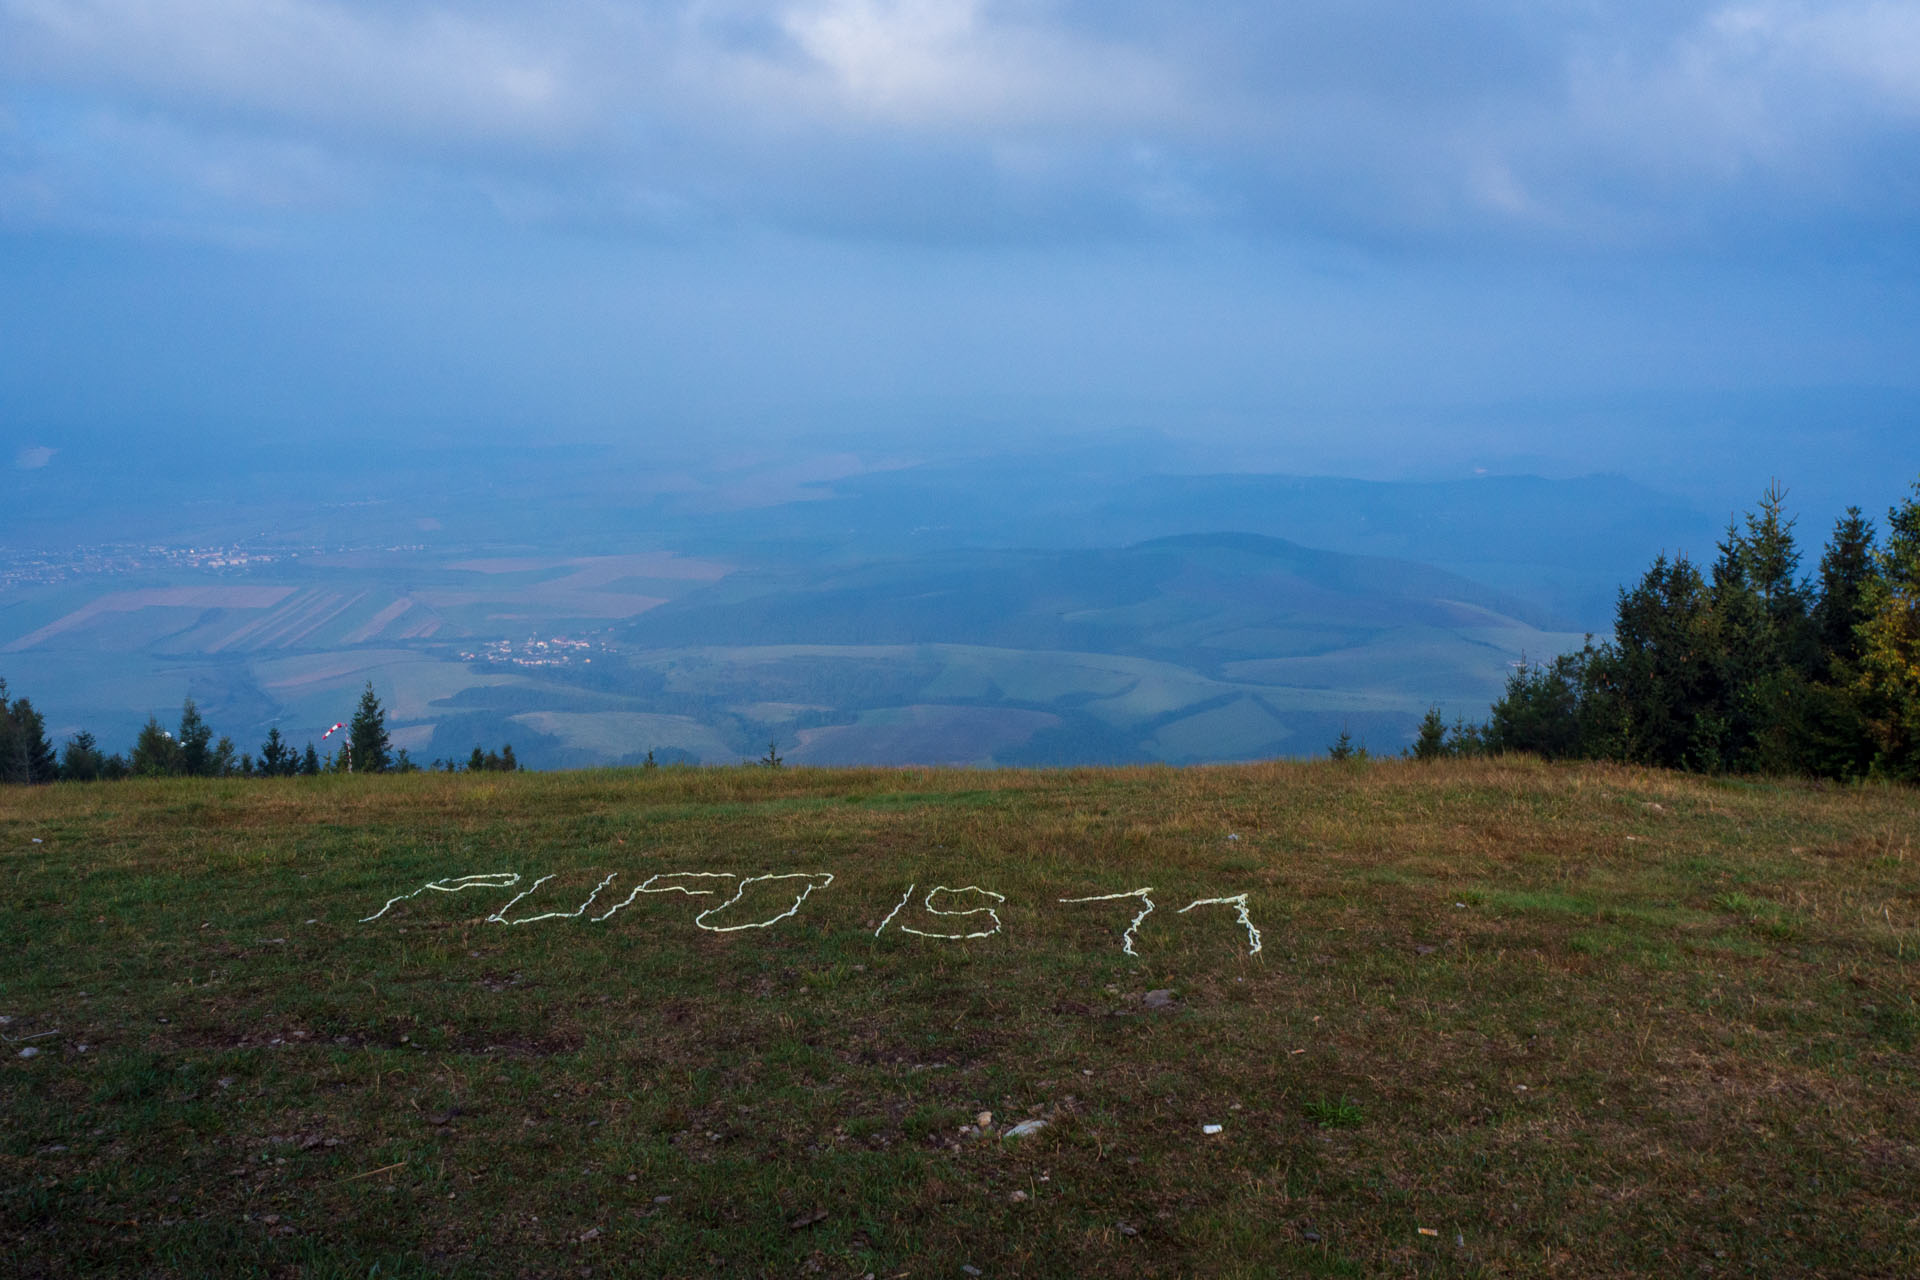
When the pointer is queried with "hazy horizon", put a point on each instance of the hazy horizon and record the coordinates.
(1660, 240)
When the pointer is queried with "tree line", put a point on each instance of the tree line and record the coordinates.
(1751, 666)
(26, 756)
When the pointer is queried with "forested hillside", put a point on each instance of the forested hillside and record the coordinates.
(1752, 666)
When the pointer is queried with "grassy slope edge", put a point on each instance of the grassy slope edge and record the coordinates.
(1507, 1019)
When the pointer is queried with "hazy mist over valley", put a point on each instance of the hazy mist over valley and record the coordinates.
(1082, 601)
(916, 380)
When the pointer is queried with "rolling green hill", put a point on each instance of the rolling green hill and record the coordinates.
(1203, 647)
(1170, 597)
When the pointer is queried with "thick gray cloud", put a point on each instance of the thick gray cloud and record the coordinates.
(1352, 234)
(1588, 122)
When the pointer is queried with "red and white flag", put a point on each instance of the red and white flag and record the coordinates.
(329, 733)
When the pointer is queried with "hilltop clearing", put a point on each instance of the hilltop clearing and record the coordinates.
(1481, 1018)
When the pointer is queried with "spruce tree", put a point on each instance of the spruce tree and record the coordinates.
(1836, 741)
(155, 754)
(1772, 563)
(477, 761)
(42, 765)
(1739, 653)
(310, 762)
(1541, 711)
(367, 735)
(1431, 743)
(277, 759)
(1663, 672)
(80, 759)
(1770, 667)
(1889, 679)
(25, 754)
(8, 735)
(196, 738)
(1467, 741)
(1847, 571)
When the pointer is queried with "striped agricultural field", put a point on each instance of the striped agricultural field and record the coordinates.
(121, 602)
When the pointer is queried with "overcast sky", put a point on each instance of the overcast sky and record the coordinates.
(1360, 235)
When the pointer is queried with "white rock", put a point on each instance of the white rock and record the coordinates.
(1026, 1128)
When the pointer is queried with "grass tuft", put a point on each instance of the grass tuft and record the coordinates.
(1335, 1113)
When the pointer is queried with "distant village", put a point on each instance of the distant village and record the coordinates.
(39, 567)
(554, 651)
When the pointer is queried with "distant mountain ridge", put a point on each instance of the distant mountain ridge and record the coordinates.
(1566, 544)
(1171, 595)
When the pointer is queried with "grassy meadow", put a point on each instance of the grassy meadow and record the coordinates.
(1505, 1019)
